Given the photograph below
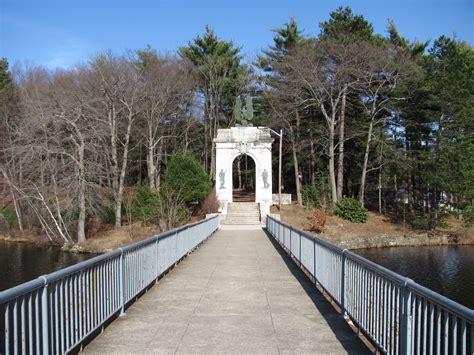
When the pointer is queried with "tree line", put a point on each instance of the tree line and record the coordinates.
(374, 117)
(377, 118)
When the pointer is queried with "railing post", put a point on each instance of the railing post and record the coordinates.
(300, 247)
(343, 282)
(176, 248)
(406, 341)
(290, 239)
(314, 260)
(122, 283)
(157, 261)
(44, 316)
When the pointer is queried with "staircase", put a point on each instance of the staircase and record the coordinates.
(245, 213)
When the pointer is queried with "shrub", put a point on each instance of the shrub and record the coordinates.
(442, 223)
(420, 222)
(210, 204)
(311, 196)
(144, 205)
(70, 218)
(468, 215)
(172, 211)
(165, 208)
(317, 221)
(186, 175)
(352, 210)
(107, 215)
(9, 216)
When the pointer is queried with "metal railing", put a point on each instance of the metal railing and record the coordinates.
(55, 313)
(398, 315)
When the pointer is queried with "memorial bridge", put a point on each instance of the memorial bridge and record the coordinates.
(232, 287)
(243, 289)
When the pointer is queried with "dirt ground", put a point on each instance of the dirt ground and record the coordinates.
(115, 238)
(104, 239)
(378, 231)
(102, 242)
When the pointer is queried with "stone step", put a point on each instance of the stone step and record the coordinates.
(243, 218)
(249, 222)
(242, 203)
(242, 213)
(256, 210)
(255, 207)
(249, 207)
(250, 215)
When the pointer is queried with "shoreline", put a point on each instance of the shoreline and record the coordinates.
(388, 241)
(351, 242)
(378, 231)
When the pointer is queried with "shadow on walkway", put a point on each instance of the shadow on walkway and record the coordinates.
(343, 332)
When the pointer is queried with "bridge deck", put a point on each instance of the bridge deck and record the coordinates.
(237, 294)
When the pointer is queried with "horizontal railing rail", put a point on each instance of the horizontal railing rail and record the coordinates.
(55, 313)
(398, 315)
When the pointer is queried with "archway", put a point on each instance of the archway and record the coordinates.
(254, 142)
(243, 179)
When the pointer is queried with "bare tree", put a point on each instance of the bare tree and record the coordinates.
(116, 81)
(167, 92)
(318, 73)
(384, 68)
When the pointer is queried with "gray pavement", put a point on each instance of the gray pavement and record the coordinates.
(237, 293)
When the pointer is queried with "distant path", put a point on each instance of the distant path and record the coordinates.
(235, 294)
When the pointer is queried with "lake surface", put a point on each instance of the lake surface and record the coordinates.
(448, 270)
(21, 262)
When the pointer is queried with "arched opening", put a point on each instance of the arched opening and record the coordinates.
(243, 179)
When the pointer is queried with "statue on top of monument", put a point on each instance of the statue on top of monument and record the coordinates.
(243, 115)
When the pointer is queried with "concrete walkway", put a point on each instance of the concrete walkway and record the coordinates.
(236, 294)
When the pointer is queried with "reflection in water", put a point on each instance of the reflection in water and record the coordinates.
(21, 262)
(448, 270)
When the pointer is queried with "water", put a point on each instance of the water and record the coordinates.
(20, 262)
(448, 270)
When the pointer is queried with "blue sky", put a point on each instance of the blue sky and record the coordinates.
(61, 33)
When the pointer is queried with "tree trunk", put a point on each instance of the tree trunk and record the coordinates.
(312, 158)
(380, 171)
(81, 222)
(330, 121)
(150, 161)
(332, 175)
(409, 178)
(206, 124)
(158, 165)
(17, 211)
(239, 172)
(123, 170)
(364, 165)
(299, 199)
(379, 187)
(214, 128)
(434, 204)
(340, 168)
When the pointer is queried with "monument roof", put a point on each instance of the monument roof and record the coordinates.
(244, 135)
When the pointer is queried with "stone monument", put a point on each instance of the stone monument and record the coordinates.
(256, 142)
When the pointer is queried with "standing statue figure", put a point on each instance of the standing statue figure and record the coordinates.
(222, 178)
(266, 185)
